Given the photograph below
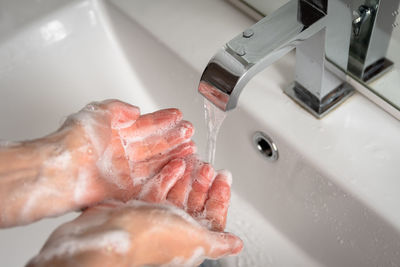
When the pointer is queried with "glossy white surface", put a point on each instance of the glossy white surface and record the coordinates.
(388, 85)
(332, 197)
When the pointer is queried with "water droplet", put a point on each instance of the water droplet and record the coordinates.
(90, 107)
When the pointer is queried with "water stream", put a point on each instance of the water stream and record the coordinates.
(214, 118)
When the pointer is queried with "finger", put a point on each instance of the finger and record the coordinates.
(217, 204)
(179, 192)
(108, 204)
(156, 189)
(202, 180)
(223, 244)
(148, 168)
(151, 123)
(123, 115)
(160, 143)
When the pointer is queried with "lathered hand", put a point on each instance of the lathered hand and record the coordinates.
(105, 151)
(203, 193)
(138, 233)
(134, 234)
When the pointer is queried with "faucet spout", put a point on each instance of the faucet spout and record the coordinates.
(256, 48)
(322, 44)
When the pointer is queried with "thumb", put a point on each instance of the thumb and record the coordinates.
(123, 114)
(223, 244)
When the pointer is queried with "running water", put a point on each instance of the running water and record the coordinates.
(264, 244)
(214, 118)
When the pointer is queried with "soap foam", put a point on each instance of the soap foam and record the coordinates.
(6, 143)
(162, 206)
(120, 126)
(159, 161)
(117, 241)
(107, 169)
(156, 183)
(88, 125)
(90, 118)
(226, 175)
(83, 224)
(140, 134)
(60, 161)
(178, 131)
(81, 185)
(130, 163)
(35, 197)
(196, 258)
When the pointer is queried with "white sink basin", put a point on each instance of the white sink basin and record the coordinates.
(331, 199)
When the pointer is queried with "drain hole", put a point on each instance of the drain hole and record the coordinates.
(265, 146)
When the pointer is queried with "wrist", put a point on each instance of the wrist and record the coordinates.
(20, 165)
(28, 179)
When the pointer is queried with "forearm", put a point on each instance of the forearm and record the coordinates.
(24, 170)
(134, 234)
(86, 259)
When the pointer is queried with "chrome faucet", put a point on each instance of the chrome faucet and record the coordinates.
(320, 30)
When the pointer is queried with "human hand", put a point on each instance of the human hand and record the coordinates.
(130, 149)
(137, 234)
(134, 234)
(105, 151)
(202, 193)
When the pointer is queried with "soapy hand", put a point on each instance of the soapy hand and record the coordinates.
(202, 193)
(109, 151)
(129, 150)
(134, 234)
(138, 233)
(105, 151)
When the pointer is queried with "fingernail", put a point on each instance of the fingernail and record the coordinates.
(175, 113)
(236, 244)
(188, 129)
(226, 176)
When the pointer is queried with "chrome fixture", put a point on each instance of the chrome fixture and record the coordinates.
(321, 32)
(373, 23)
(265, 146)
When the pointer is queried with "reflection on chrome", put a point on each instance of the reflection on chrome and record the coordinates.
(301, 24)
(217, 97)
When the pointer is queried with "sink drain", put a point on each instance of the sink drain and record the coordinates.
(265, 146)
